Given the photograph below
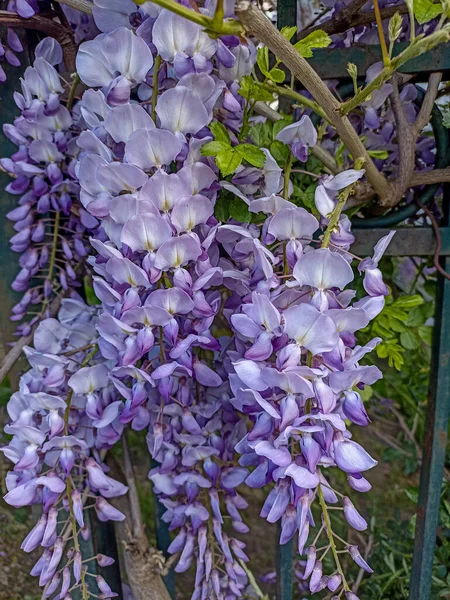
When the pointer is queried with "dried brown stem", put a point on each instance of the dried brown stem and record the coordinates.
(430, 177)
(340, 25)
(133, 496)
(428, 102)
(257, 25)
(406, 139)
(83, 6)
(38, 23)
(143, 564)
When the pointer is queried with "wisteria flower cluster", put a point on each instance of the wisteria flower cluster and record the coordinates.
(52, 228)
(230, 341)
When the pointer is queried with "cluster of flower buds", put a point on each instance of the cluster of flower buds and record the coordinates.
(52, 228)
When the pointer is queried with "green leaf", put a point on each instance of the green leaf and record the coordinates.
(253, 90)
(89, 293)
(415, 317)
(396, 325)
(426, 10)
(306, 197)
(228, 161)
(239, 210)
(408, 302)
(381, 154)
(279, 151)
(254, 156)
(446, 119)
(262, 60)
(426, 334)
(391, 350)
(408, 340)
(261, 134)
(219, 132)
(222, 208)
(213, 148)
(316, 39)
(288, 32)
(277, 75)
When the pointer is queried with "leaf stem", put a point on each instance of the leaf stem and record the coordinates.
(76, 543)
(218, 15)
(228, 27)
(73, 89)
(415, 49)
(334, 219)
(155, 87)
(330, 537)
(384, 50)
(302, 100)
(286, 176)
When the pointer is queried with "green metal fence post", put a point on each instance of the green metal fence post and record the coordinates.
(435, 444)
(284, 568)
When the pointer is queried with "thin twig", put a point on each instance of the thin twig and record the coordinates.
(428, 102)
(430, 177)
(437, 251)
(38, 23)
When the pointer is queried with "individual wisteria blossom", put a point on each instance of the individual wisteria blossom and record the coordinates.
(299, 137)
(231, 344)
(326, 193)
(52, 228)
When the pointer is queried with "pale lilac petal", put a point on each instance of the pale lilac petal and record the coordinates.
(302, 477)
(279, 456)
(325, 204)
(190, 212)
(145, 232)
(342, 180)
(122, 121)
(181, 111)
(351, 457)
(311, 329)
(249, 373)
(303, 131)
(323, 270)
(177, 252)
(148, 148)
(292, 224)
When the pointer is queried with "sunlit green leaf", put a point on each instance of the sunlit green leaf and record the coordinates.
(316, 39)
(219, 132)
(228, 161)
(213, 148)
(254, 156)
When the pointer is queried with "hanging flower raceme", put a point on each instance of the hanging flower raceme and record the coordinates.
(63, 419)
(52, 228)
